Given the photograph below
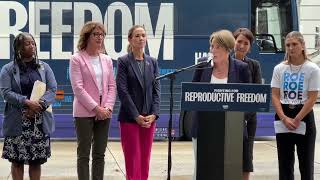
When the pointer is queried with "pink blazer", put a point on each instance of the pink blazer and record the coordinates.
(85, 86)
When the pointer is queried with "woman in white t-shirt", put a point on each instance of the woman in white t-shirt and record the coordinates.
(295, 84)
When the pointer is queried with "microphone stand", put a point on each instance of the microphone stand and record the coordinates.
(172, 77)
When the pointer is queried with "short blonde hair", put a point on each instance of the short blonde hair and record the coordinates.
(86, 32)
(298, 36)
(224, 38)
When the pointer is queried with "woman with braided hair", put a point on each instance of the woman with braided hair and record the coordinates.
(26, 123)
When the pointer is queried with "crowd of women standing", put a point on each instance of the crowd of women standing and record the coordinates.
(28, 123)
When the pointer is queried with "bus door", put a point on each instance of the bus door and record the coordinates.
(271, 21)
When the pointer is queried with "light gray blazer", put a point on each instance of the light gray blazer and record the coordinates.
(10, 90)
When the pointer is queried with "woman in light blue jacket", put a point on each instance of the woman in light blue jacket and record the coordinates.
(27, 124)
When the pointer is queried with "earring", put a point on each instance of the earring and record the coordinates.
(19, 55)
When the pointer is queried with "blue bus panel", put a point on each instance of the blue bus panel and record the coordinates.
(178, 32)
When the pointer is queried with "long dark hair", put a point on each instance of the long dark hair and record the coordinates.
(17, 48)
(245, 32)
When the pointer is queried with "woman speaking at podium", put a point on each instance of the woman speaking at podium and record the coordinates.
(221, 70)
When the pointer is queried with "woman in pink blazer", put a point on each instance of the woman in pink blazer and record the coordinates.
(94, 88)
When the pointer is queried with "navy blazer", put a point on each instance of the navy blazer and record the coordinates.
(255, 69)
(130, 87)
(238, 73)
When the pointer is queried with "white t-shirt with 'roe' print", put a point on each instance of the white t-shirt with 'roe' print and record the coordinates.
(295, 81)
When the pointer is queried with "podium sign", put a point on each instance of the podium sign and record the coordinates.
(225, 97)
(219, 110)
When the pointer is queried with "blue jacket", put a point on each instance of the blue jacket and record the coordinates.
(238, 73)
(10, 90)
(130, 87)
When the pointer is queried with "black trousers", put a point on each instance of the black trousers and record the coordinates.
(305, 145)
(251, 126)
(91, 135)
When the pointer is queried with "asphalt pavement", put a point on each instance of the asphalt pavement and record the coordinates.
(62, 164)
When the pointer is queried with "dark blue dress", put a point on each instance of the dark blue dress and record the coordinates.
(32, 146)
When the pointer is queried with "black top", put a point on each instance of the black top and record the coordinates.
(27, 78)
(255, 70)
(141, 65)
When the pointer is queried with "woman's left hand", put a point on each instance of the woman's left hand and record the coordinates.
(296, 122)
(34, 106)
(102, 113)
(289, 123)
(150, 119)
(109, 113)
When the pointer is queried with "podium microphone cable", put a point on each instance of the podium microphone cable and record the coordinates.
(118, 165)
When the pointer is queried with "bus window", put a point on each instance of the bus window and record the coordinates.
(273, 18)
(266, 43)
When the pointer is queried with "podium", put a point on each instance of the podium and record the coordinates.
(220, 110)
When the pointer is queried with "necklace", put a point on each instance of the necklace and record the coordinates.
(292, 70)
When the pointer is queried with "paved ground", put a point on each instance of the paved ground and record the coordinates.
(62, 165)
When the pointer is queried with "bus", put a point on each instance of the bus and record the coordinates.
(178, 34)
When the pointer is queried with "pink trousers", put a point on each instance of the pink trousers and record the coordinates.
(136, 144)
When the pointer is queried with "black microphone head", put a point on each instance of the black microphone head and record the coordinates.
(210, 58)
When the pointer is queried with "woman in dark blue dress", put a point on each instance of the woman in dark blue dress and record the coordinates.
(26, 123)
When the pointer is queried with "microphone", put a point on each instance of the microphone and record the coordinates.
(208, 61)
(210, 58)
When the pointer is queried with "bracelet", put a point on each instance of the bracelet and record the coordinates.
(282, 119)
(43, 104)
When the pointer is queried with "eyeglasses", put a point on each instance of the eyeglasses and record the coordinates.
(98, 35)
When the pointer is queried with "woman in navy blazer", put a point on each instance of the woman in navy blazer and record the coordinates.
(222, 69)
(139, 94)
